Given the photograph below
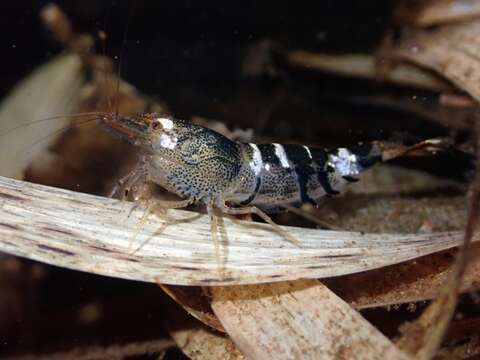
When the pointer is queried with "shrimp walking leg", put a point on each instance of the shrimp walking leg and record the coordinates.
(216, 242)
(254, 210)
(141, 223)
(150, 206)
(129, 181)
(167, 204)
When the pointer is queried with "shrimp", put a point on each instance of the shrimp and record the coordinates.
(202, 166)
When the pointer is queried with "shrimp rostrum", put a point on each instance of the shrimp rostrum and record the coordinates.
(202, 166)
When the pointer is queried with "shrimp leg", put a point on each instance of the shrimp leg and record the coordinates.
(216, 242)
(254, 210)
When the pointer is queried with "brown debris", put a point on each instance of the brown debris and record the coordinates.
(195, 302)
(384, 213)
(425, 13)
(200, 342)
(389, 151)
(413, 281)
(56, 21)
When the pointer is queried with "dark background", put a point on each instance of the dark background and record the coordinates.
(191, 54)
(193, 57)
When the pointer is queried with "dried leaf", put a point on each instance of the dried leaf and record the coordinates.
(435, 12)
(32, 100)
(453, 51)
(364, 66)
(94, 234)
(301, 319)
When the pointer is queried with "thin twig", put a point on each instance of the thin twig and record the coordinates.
(121, 351)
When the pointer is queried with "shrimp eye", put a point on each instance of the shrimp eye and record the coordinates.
(155, 125)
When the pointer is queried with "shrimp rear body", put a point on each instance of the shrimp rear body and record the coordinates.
(278, 175)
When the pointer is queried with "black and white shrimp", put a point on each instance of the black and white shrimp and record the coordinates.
(202, 166)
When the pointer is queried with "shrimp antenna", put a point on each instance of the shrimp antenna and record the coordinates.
(103, 39)
(120, 61)
(91, 113)
(58, 131)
